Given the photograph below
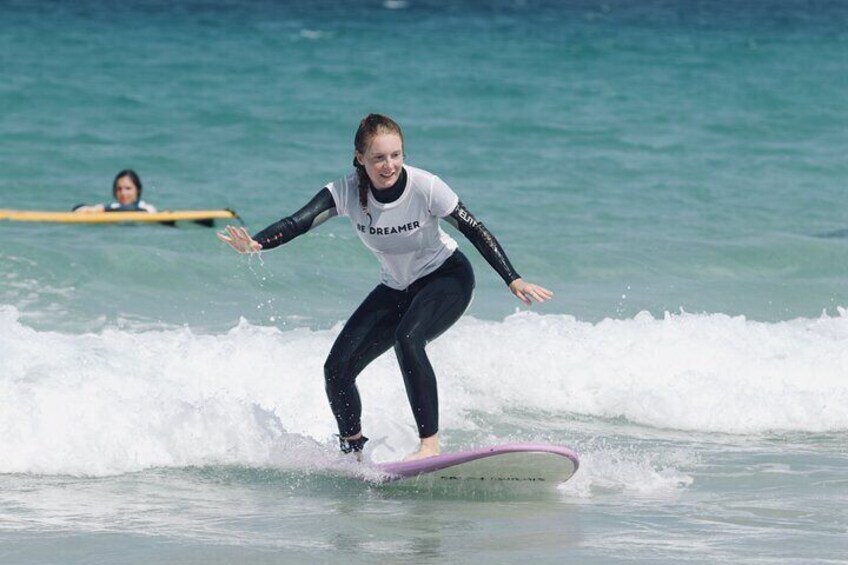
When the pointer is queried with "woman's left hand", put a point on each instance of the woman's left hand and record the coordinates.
(527, 292)
(240, 240)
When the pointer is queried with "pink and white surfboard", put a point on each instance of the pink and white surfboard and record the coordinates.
(509, 464)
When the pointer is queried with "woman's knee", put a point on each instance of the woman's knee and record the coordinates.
(408, 343)
(335, 371)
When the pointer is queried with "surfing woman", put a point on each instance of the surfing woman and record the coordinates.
(126, 189)
(425, 281)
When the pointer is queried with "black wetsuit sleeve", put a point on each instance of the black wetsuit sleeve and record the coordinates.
(321, 208)
(483, 240)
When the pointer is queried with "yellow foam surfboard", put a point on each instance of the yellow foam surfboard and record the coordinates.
(116, 217)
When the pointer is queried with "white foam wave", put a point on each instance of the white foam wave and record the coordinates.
(127, 399)
(701, 372)
(616, 471)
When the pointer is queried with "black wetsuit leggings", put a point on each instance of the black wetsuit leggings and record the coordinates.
(408, 320)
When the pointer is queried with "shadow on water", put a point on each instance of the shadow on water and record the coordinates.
(835, 234)
(401, 522)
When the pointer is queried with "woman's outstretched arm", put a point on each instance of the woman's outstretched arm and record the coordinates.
(494, 254)
(321, 208)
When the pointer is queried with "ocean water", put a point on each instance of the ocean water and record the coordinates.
(675, 171)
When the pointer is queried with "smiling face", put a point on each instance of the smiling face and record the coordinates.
(383, 159)
(126, 192)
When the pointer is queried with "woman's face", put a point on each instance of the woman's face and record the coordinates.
(126, 192)
(383, 160)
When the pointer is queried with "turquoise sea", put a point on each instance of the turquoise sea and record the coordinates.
(674, 170)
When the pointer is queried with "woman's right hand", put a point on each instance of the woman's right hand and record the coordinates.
(240, 240)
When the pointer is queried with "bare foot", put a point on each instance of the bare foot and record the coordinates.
(429, 448)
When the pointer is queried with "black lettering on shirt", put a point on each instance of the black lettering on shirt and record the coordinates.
(390, 230)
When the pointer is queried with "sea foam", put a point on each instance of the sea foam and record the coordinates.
(126, 399)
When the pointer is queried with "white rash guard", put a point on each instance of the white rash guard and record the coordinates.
(404, 234)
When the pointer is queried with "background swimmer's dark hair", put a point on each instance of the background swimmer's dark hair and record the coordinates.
(370, 126)
(127, 173)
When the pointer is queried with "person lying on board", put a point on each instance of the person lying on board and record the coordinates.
(126, 188)
(425, 284)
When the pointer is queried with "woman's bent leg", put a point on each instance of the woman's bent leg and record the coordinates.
(439, 303)
(369, 332)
